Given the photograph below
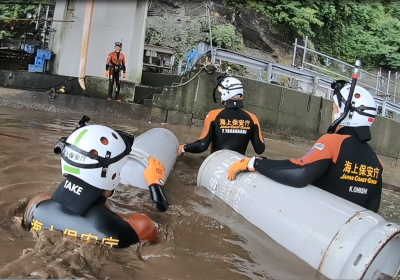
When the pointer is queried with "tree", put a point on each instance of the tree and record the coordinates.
(14, 28)
(351, 29)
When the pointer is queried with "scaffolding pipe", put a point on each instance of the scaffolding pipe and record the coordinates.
(28, 19)
(20, 3)
(38, 16)
(210, 34)
(294, 53)
(304, 53)
(47, 16)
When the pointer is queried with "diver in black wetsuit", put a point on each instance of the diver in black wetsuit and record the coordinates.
(342, 163)
(92, 158)
(229, 128)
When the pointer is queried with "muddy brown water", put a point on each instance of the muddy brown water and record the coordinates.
(200, 236)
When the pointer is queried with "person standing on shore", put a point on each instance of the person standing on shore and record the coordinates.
(115, 64)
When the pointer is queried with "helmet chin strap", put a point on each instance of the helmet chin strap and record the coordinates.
(347, 106)
(219, 80)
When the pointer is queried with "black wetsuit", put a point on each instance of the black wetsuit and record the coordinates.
(94, 221)
(115, 64)
(343, 164)
(230, 128)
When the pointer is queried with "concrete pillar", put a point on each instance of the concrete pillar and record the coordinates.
(57, 36)
(135, 60)
(66, 41)
(112, 21)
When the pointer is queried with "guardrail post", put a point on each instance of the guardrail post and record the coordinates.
(269, 73)
(294, 53)
(384, 108)
(378, 74)
(304, 53)
(388, 83)
(329, 94)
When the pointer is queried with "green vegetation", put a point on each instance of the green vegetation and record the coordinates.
(164, 31)
(11, 28)
(225, 36)
(351, 29)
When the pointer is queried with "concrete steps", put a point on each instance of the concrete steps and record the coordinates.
(150, 96)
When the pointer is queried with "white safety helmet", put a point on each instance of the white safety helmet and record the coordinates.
(95, 154)
(363, 109)
(231, 88)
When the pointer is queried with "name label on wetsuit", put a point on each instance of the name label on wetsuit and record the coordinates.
(73, 187)
(235, 131)
(358, 190)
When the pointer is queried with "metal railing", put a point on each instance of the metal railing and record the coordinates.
(385, 87)
(312, 79)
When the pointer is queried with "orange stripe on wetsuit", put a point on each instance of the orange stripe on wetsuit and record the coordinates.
(207, 134)
(327, 147)
(209, 120)
(257, 124)
(343, 164)
(381, 162)
(303, 171)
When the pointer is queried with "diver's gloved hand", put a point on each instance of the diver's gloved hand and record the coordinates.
(159, 198)
(154, 175)
(107, 73)
(246, 164)
(181, 150)
(155, 172)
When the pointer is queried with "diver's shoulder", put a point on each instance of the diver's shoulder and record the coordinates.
(332, 139)
(214, 113)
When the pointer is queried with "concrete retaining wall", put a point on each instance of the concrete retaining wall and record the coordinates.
(66, 103)
(280, 110)
(151, 84)
(95, 86)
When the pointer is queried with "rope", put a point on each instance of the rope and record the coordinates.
(201, 6)
(175, 86)
(51, 93)
(210, 31)
(188, 81)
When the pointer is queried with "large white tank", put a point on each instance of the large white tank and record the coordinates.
(338, 238)
(162, 144)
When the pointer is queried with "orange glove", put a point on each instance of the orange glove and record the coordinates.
(246, 164)
(155, 172)
(107, 73)
(181, 150)
(124, 75)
